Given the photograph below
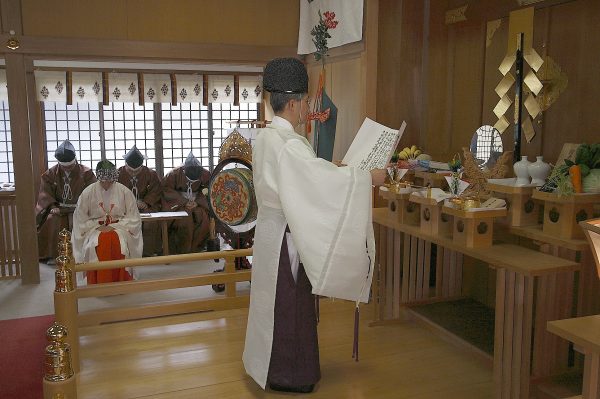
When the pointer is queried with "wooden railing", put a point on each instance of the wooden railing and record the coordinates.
(10, 255)
(67, 294)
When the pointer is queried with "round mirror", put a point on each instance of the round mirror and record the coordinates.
(486, 146)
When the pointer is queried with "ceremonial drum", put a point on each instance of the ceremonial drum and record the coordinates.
(231, 196)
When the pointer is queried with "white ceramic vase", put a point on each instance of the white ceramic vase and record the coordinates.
(538, 171)
(521, 171)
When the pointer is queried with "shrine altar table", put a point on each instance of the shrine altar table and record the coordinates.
(584, 332)
(531, 289)
(164, 218)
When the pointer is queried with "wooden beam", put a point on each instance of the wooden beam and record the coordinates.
(25, 182)
(10, 11)
(38, 139)
(369, 57)
(90, 49)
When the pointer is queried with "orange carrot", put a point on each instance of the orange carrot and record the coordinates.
(575, 173)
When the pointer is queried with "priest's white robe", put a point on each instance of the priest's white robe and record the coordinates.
(328, 211)
(89, 213)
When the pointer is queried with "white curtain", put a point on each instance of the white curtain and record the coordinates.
(87, 87)
(3, 88)
(157, 88)
(190, 88)
(220, 89)
(250, 89)
(51, 86)
(348, 15)
(123, 88)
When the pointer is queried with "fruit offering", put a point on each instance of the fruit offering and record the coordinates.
(409, 153)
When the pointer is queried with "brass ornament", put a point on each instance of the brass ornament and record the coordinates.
(12, 44)
(63, 276)
(57, 362)
(236, 146)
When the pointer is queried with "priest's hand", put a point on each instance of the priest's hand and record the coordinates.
(190, 205)
(142, 206)
(339, 163)
(104, 229)
(55, 211)
(378, 177)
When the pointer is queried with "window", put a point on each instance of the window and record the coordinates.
(223, 113)
(6, 161)
(126, 125)
(80, 124)
(110, 131)
(185, 128)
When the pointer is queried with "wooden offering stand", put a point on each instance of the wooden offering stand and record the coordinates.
(522, 209)
(563, 213)
(433, 180)
(399, 207)
(433, 221)
(474, 229)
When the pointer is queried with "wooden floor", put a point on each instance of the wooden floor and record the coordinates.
(199, 356)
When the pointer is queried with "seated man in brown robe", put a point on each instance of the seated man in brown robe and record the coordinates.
(145, 185)
(183, 191)
(60, 188)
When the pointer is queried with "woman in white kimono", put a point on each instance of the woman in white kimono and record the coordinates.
(314, 235)
(107, 226)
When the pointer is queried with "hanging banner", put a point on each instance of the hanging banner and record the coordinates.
(250, 89)
(220, 89)
(3, 87)
(51, 86)
(189, 88)
(340, 19)
(123, 87)
(87, 87)
(157, 88)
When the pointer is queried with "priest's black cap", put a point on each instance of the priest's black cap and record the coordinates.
(285, 75)
(192, 167)
(134, 158)
(65, 152)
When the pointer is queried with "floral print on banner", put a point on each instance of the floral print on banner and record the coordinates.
(50, 85)
(250, 88)
(189, 88)
(220, 88)
(157, 88)
(86, 87)
(123, 87)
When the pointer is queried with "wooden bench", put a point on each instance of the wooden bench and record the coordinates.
(164, 218)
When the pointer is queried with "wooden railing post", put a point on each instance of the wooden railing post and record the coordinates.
(230, 289)
(65, 296)
(59, 378)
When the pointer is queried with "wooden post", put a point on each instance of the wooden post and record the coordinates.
(25, 181)
(230, 268)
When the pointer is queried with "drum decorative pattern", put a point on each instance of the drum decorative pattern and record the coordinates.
(232, 197)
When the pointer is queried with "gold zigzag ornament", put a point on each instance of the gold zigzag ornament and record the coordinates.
(543, 82)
